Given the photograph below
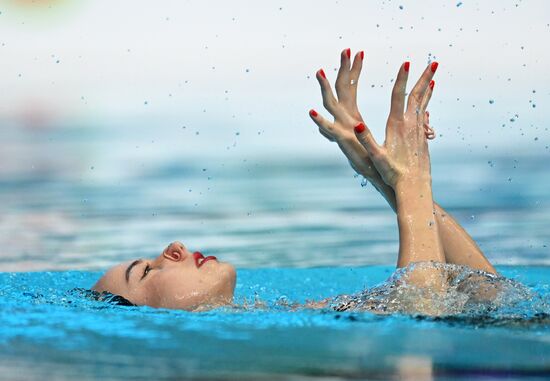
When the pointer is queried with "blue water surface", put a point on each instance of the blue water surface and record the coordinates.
(47, 329)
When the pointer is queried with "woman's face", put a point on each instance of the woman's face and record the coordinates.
(176, 279)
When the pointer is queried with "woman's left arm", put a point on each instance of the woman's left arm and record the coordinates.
(458, 246)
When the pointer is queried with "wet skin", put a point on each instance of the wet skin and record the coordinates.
(176, 279)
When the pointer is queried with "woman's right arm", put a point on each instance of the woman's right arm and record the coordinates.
(403, 162)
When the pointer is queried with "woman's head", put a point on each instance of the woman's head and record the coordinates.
(176, 279)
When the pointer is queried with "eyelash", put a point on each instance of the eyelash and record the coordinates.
(146, 271)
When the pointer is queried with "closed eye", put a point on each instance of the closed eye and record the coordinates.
(146, 271)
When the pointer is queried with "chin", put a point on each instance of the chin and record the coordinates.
(230, 274)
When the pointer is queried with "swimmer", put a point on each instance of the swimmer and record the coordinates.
(399, 169)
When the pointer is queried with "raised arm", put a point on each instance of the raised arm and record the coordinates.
(458, 246)
(403, 162)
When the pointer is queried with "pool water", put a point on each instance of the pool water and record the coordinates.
(46, 329)
(297, 227)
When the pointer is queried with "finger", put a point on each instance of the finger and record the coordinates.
(398, 93)
(329, 137)
(418, 91)
(430, 134)
(324, 125)
(342, 80)
(329, 101)
(426, 99)
(354, 74)
(366, 139)
(428, 131)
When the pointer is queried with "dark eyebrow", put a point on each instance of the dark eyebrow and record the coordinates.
(134, 263)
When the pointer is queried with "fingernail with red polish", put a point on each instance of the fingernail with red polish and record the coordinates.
(359, 128)
(432, 84)
(434, 66)
(313, 113)
(407, 66)
(362, 54)
(348, 52)
(322, 72)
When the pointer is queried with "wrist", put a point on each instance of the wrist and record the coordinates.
(415, 198)
(414, 186)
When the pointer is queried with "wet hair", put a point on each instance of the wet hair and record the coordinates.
(103, 296)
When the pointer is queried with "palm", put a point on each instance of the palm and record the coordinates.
(404, 153)
(346, 115)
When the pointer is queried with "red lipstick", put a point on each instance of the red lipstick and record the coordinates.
(201, 259)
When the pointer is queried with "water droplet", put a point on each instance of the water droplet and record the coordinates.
(145, 102)
(364, 182)
(92, 167)
(472, 217)
(491, 101)
(459, 4)
(400, 7)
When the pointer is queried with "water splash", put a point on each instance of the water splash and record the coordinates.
(469, 296)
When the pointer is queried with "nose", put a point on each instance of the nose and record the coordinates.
(176, 252)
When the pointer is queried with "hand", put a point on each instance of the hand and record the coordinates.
(346, 113)
(404, 156)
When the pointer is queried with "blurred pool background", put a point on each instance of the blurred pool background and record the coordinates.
(127, 125)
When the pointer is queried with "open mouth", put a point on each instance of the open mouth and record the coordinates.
(201, 259)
